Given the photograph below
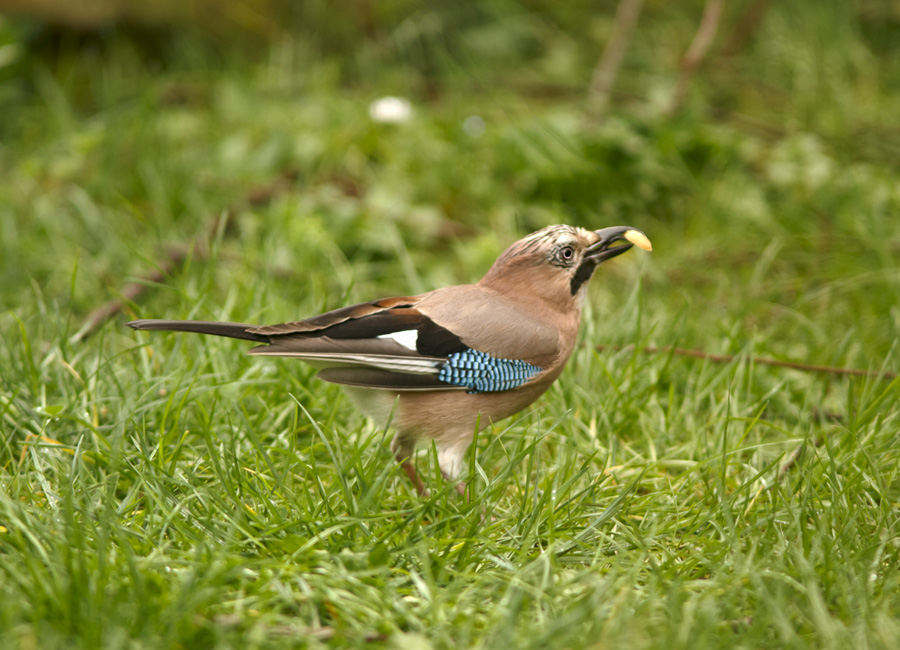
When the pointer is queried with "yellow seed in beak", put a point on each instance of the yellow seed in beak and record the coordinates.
(639, 239)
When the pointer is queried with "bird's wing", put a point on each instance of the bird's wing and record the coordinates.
(490, 323)
(392, 344)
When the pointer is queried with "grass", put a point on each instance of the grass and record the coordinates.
(170, 491)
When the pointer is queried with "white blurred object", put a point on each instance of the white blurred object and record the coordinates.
(474, 126)
(390, 110)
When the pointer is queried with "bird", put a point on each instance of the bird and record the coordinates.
(439, 365)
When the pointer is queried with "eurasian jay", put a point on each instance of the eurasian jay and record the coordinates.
(440, 364)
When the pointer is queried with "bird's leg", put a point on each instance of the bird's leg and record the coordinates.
(460, 487)
(410, 470)
(450, 460)
(403, 448)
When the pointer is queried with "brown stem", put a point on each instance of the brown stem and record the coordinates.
(727, 358)
(704, 37)
(410, 470)
(175, 257)
(608, 66)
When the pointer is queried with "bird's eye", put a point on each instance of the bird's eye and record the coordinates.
(567, 253)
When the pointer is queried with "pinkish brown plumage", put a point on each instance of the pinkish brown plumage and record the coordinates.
(454, 358)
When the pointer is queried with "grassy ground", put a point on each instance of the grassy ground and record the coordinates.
(169, 491)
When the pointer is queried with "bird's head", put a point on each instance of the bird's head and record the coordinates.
(555, 263)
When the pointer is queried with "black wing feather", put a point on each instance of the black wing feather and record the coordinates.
(349, 344)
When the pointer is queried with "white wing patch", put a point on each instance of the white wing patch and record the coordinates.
(406, 338)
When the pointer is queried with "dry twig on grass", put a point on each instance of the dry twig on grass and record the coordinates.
(176, 255)
(703, 39)
(608, 66)
(728, 358)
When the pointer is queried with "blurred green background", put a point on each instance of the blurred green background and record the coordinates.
(167, 492)
(774, 176)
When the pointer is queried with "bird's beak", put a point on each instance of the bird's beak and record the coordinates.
(603, 248)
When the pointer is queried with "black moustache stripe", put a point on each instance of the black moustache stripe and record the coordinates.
(582, 274)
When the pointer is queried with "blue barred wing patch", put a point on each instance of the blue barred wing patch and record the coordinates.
(482, 373)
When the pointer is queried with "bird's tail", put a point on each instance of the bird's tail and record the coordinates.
(216, 328)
